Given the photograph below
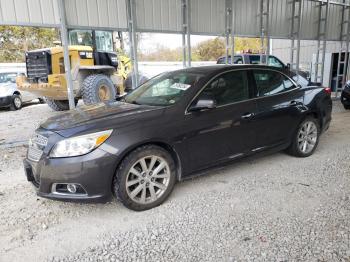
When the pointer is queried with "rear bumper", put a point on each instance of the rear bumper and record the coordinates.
(5, 101)
(93, 172)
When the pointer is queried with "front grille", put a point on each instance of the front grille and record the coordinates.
(38, 66)
(34, 154)
(36, 146)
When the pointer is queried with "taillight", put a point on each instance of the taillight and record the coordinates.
(328, 90)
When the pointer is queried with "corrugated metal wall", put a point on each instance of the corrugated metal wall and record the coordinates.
(29, 12)
(159, 15)
(207, 16)
(247, 22)
(96, 13)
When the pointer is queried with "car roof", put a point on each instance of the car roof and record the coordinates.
(215, 69)
(244, 54)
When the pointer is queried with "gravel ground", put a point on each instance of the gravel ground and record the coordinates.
(271, 208)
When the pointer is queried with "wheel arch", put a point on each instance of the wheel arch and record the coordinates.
(166, 146)
(317, 115)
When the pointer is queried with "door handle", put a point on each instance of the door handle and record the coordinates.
(294, 103)
(247, 115)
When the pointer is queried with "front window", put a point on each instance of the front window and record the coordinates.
(80, 37)
(163, 90)
(228, 88)
(104, 39)
(8, 77)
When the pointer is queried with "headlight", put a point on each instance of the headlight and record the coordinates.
(79, 145)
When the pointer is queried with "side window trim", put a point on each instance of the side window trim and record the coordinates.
(255, 91)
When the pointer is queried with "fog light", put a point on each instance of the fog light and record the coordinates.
(71, 188)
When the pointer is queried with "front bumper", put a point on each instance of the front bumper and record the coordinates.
(93, 172)
(5, 101)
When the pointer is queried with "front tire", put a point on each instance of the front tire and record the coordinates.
(145, 178)
(98, 88)
(16, 103)
(306, 138)
(57, 105)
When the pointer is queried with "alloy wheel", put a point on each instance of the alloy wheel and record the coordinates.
(17, 101)
(148, 179)
(307, 137)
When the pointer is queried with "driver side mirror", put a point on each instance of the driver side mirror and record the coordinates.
(201, 104)
(288, 66)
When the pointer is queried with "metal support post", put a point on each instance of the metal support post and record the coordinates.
(344, 38)
(184, 25)
(264, 29)
(133, 41)
(322, 40)
(232, 33)
(64, 38)
(188, 31)
(295, 34)
(228, 29)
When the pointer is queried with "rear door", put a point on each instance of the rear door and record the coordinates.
(227, 131)
(279, 101)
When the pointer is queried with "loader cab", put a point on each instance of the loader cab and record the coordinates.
(100, 41)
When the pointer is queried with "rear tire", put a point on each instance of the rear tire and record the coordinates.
(57, 105)
(16, 102)
(306, 138)
(141, 187)
(97, 88)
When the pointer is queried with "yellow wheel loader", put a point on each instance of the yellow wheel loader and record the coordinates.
(98, 73)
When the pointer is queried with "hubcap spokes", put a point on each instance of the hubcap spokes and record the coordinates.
(17, 102)
(307, 137)
(148, 179)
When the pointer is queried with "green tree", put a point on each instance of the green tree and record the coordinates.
(210, 49)
(15, 40)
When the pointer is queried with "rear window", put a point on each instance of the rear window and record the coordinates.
(255, 59)
(271, 82)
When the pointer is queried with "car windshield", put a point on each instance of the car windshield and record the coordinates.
(8, 77)
(164, 89)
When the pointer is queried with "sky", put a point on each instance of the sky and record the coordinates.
(150, 42)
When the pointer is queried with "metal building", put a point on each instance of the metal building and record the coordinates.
(295, 20)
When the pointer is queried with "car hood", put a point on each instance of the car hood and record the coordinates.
(98, 116)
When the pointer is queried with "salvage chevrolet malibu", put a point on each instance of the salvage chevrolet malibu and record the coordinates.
(170, 128)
